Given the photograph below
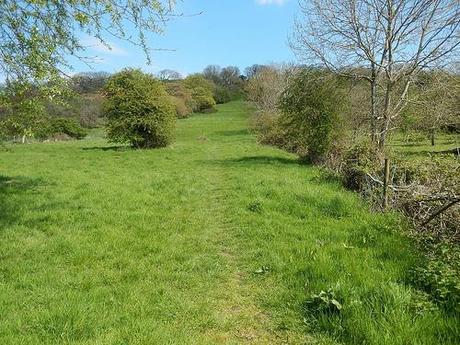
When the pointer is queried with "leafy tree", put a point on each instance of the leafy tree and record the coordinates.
(36, 36)
(202, 92)
(138, 110)
(233, 81)
(24, 111)
(310, 106)
(26, 115)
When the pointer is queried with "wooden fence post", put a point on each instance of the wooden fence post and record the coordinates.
(386, 180)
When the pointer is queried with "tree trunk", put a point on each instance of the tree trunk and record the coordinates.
(386, 182)
(432, 137)
(386, 116)
(389, 76)
(374, 132)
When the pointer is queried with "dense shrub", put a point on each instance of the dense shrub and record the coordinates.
(86, 108)
(67, 126)
(41, 128)
(205, 103)
(268, 129)
(263, 91)
(138, 110)
(181, 108)
(310, 106)
(222, 95)
(228, 82)
(202, 91)
(358, 160)
(23, 111)
(266, 86)
(181, 97)
(440, 274)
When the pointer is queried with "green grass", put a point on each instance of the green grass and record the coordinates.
(214, 240)
(422, 148)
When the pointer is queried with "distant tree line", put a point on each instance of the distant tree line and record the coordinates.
(26, 112)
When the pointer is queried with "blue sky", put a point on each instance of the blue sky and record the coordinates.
(228, 32)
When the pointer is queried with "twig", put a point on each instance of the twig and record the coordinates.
(394, 188)
(441, 210)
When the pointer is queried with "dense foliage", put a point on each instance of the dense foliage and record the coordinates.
(67, 126)
(228, 81)
(439, 274)
(202, 91)
(138, 110)
(181, 97)
(37, 37)
(310, 108)
(25, 114)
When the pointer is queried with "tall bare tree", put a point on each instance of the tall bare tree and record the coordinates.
(385, 42)
(212, 72)
(169, 74)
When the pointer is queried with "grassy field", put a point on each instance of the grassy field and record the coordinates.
(421, 148)
(214, 240)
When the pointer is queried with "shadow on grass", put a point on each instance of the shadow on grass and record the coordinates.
(108, 148)
(403, 144)
(257, 160)
(14, 193)
(239, 132)
(423, 153)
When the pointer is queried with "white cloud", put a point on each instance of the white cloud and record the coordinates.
(271, 2)
(109, 48)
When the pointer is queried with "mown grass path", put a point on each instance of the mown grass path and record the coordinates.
(214, 240)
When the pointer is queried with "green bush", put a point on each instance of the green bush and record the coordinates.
(181, 97)
(23, 111)
(43, 129)
(202, 92)
(440, 274)
(66, 126)
(222, 95)
(265, 125)
(138, 110)
(310, 107)
(182, 110)
(359, 159)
